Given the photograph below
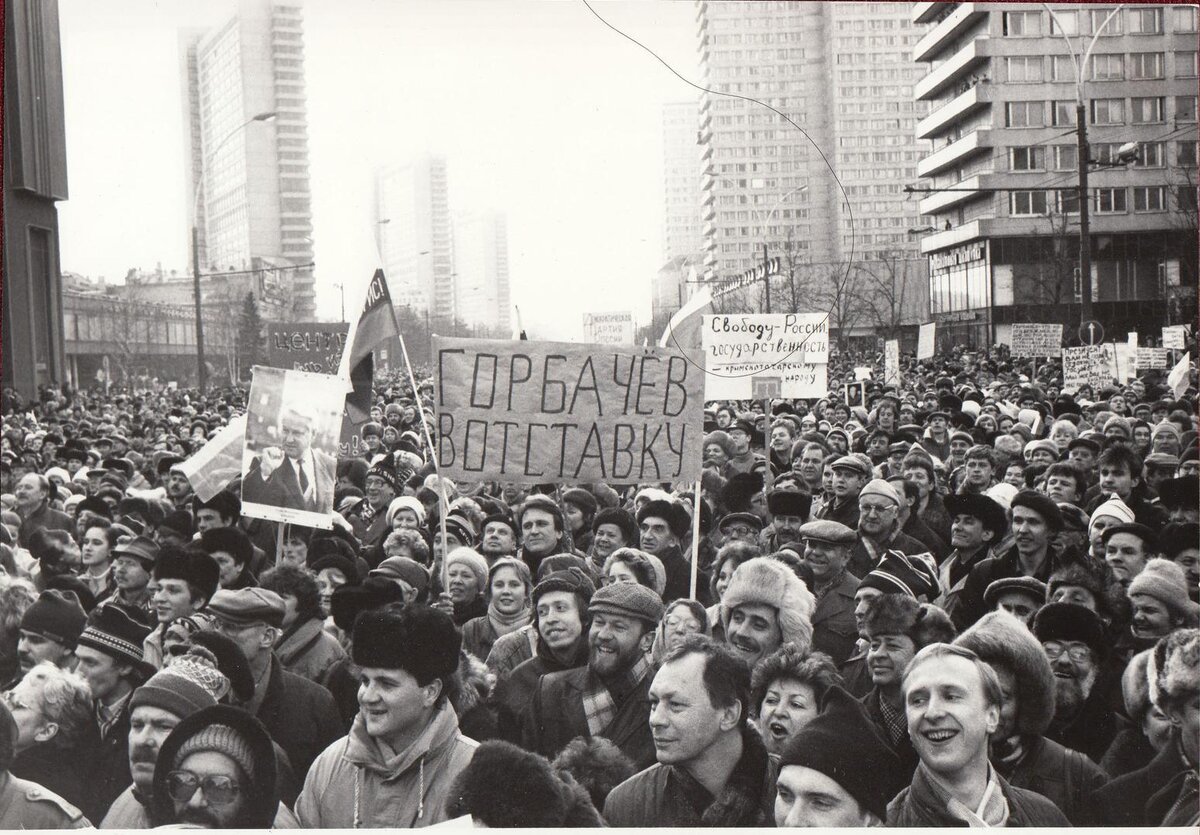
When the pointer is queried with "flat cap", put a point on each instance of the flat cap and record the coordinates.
(740, 518)
(1031, 586)
(252, 605)
(141, 548)
(850, 462)
(827, 530)
(629, 600)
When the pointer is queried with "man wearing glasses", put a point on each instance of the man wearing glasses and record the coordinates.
(879, 528)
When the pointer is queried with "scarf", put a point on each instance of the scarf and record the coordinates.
(504, 624)
(740, 802)
(992, 809)
(895, 721)
(599, 706)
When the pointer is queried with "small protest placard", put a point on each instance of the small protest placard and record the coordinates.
(608, 328)
(1033, 339)
(539, 412)
(1090, 365)
(306, 346)
(792, 346)
(1174, 336)
(891, 363)
(1151, 358)
(925, 340)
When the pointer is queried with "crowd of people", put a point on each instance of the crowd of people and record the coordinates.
(968, 599)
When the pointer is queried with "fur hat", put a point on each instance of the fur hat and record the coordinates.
(348, 602)
(1176, 667)
(672, 513)
(194, 567)
(770, 582)
(1135, 685)
(420, 640)
(739, 490)
(597, 765)
(899, 614)
(1002, 640)
(620, 517)
(506, 786)
(1071, 622)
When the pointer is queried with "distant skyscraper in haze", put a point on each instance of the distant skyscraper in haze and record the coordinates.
(481, 264)
(413, 221)
(255, 203)
(682, 228)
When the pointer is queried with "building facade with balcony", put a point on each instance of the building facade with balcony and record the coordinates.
(1000, 190)
(255, 200)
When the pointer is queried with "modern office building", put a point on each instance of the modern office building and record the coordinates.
(825, 185)
(1001, 187)
(415, 236)
(249, 194)
(481, 278)
(35, 179)
(682, 226)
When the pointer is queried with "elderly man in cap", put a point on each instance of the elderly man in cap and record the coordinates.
(186, 581)
(740, 527)
(1076, 644)
(712, 769)
(397, 765)
(1164, 792)
(827, 553)
(1021, 597)
(850, 475)
(1020, 751)
(1035, 521)
(837, 771)
(111, 661)
(879, 528)
(789, 511)
(664, 525)
(608, 696)
(50, 631)
(190, 684)
(765, 606)
(300, 715)
(952, 703)
(294, 474)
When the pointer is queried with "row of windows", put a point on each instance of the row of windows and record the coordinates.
(1066, 157)
(1105, 201)
(1138, 20)
(1138, 110)
(1114, 66)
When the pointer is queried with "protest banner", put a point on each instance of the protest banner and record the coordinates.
(218, 462)
(891, 363)
(791, 346)
(1151, 358)
(1173, 336)
(306, 346)
(1090, 365)
(1031, 339)
(289, 461)
(608, 328)
(925, 340)
(554, 412)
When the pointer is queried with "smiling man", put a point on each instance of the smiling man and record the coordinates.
(185, 579)
(766, 605)
(608, 696)
(952, 704)
(827, 547)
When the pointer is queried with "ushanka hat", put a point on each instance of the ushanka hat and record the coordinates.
(422, 641)
(899, 614)
(1001, 640)
(771, 583)
(671, 512)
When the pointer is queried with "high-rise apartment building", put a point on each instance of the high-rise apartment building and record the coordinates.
(830, 187)
(1001, 186)
(481, 265)
(251, 174)
(415, 238)
(682, 227)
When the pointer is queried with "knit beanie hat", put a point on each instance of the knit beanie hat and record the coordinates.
(572, 581)
(1165, 582)
(843, 743)
(900, 573)
(1164, 428)
(461, 528)
(191, 683)
(403, 568)
(402, 503)
(1001, 640)
(472, 560)
(56, 615)
(1115, 508)
(385, 470)
(422, 641)
(1118, 422)
(770, 582)
(223, 740)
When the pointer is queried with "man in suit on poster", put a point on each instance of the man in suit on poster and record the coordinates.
(295, 474)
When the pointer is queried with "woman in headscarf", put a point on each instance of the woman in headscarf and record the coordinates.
(509, 591)
(682, 618)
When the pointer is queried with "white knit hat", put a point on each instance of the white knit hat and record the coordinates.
(1115, 508)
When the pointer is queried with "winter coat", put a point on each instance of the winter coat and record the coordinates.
(1006, 564)
(62, 772)
(27, 805)
(351, 784)
(511, 650)
(937, 517)
(112, 773)
(1092, 729)
(1126, 801)
(301, 716)
(1130, 750)
(664, 795)
(344, 688)
(834, 631)
(916, 528)
(512, 695)
(904, 749)
(952, 577)
(478, 636)
(842, 510)
(43, 517)
(679, 577)
(555, 716)
(309, 651)
(1064, 777)
(917, 806)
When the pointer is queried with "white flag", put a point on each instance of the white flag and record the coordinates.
(1178, 378)
(700, 300)
(217, 462)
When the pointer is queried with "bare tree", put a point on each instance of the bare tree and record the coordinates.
(887, 289)
(840, 292)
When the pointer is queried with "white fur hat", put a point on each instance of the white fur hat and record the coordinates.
(770, 582)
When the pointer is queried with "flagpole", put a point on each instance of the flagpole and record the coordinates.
(695, 541)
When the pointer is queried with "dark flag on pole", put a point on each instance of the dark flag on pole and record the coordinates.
(376, 324)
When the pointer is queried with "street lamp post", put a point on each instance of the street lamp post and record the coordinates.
(202, 367)
(1085, 237)
(766, 259)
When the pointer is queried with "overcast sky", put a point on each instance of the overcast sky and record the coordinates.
(540, 110)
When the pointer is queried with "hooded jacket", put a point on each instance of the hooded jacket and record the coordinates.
(352, 785)
(260, 798)
(309, 651)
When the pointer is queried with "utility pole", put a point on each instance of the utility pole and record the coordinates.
(201, 366)
(1085, 237)
(767, 276)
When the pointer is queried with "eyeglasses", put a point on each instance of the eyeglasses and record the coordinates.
(218, 789)
(878, 509)
(688, 624)
(1078, 654)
